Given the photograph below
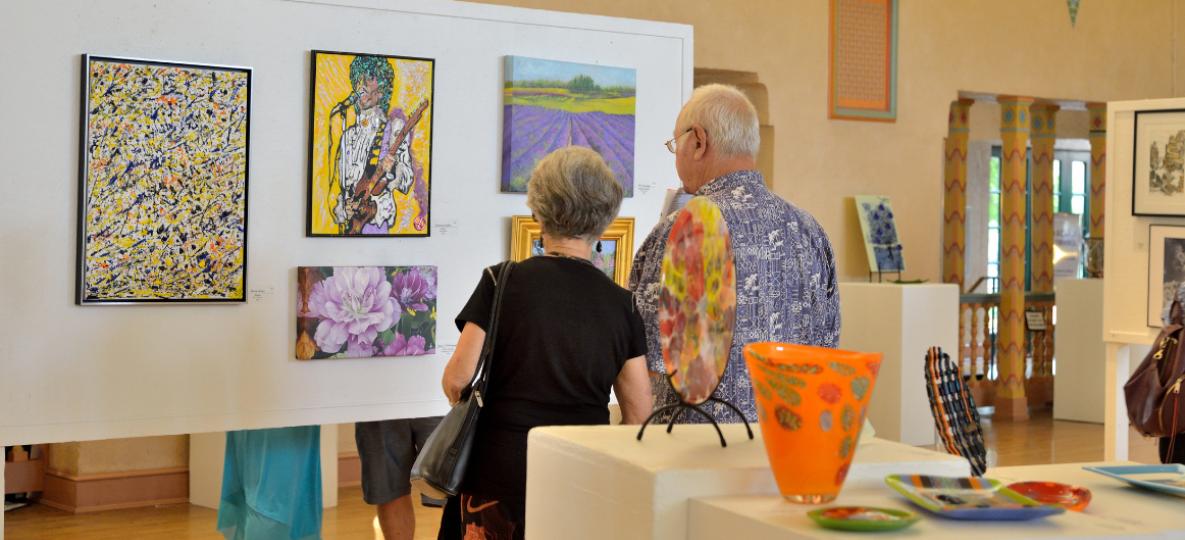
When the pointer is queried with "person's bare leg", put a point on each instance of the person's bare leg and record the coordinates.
(397, 519)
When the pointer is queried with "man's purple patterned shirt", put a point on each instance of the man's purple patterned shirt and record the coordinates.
(785, 279)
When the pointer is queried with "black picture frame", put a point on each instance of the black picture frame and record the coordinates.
(1140, 205)
(82, 297)
(1159, 263)
(309, 186)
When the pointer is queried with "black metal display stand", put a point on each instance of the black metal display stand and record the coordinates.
(682, 406)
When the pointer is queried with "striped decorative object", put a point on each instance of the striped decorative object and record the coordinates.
(954, 410)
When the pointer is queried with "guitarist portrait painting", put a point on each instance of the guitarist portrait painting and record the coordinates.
(373, 157)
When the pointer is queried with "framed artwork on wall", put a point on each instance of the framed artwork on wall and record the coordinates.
(548, 104)
(881, 242)
(1158, 166)
(614, 258)
(1166, 268)
(365, 311)
(162, 199)
(370, 145)
(862, 78)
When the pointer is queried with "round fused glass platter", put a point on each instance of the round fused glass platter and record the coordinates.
(697, 306)
(862, 518)
(1072, 498)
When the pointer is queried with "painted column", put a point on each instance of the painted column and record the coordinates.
(1098, 163)
(1010, 342)
(1044, 134)
(954, 207)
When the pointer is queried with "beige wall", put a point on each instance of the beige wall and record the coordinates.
(993, 46)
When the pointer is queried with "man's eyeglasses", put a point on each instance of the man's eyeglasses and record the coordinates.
(670, 144)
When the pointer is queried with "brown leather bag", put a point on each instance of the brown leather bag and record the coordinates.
(1153, 393)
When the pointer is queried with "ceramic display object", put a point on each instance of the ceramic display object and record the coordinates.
(697, 308)
(881, 243)
(811, 404)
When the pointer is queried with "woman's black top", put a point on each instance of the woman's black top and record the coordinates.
(564, 332)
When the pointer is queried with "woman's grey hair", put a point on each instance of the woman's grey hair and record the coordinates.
(728, 116)
(573, 193)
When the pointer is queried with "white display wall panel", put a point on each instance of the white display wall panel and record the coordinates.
(1079, 386)
(901, 322)
(1125, 274)
(629, 490)
(70, 373)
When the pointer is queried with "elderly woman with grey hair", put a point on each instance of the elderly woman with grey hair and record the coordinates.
(566, 335)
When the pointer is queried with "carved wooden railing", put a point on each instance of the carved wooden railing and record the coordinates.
(979, 316)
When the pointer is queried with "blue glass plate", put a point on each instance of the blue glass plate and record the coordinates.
(968, 498)
(1163, 478)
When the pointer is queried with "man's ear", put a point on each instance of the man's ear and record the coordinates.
(701, 141)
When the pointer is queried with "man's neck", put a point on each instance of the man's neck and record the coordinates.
(724, 166)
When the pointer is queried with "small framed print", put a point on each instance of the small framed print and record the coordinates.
(614, 257)
(1035, 321)
(1166, 268)
(1158, 164)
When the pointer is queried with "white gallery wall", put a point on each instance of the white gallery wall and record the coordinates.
(76, 373)
(1126, 332)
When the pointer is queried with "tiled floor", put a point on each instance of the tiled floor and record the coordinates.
(1037, 441)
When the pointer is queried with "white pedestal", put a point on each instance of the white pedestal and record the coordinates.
(626, 489)
(1080, 384)
(901, 322)
(1116, 511)
(207, 453)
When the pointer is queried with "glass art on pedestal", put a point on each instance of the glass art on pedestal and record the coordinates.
(697, 310)
(811, 404)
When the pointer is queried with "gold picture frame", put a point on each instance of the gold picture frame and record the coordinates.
(618, 239)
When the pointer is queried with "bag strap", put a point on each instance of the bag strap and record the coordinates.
(481, 373)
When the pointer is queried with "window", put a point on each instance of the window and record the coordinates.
(993, 225)
(1070, 180)
(1071, 184)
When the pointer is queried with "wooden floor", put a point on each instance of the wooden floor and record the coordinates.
(352, 519)
(1038, 441)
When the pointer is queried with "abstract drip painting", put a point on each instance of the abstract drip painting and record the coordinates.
(549, 104)
(365, 311)
(163, 189)
(370, 145)
(880, 234)
(697, 305)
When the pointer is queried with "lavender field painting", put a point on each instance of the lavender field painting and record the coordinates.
(549, 104)
(364, 311)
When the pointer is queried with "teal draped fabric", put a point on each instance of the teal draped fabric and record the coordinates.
(271, 485)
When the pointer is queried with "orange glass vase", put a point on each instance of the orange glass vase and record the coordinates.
(811, 404)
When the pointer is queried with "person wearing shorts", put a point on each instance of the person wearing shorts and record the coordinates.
(387, 449)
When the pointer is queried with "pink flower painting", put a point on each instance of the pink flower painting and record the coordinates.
(365, 311)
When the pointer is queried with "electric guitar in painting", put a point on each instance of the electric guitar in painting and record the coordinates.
(363, 204)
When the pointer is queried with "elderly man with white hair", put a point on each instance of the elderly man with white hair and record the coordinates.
(785, 269)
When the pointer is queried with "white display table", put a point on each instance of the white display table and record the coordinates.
(1116, 511)
(902, 322)
(599, 482)
(1080, 384)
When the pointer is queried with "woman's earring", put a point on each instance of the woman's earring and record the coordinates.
(598, 246)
